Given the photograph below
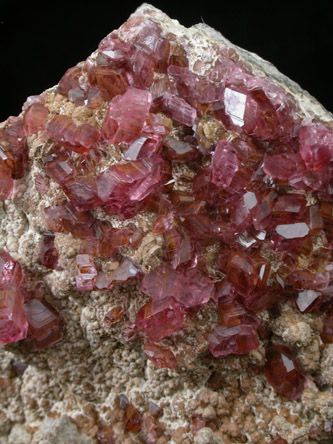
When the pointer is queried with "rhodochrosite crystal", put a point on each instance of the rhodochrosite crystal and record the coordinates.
(283, 373)
(173, 196)
(22, 315)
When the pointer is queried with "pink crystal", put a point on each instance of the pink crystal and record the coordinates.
(126, 116)
(240, 339)
(6, 181)
(124, 186)
(284, 166)
(63, 130)
(87, 276)
(160, 318)
(316, 146)
(188, 287)
(11, 273)
(34, 119)
(176, 108)
(64, 216)
(257, 106)
(13, 324)
(224, 164)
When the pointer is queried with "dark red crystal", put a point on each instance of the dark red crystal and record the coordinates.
(242, 273)
(282, 372)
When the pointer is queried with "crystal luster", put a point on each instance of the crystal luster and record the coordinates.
(239, 339)
(44, 324)
(283, 373)
(87, 275)
(13, 324)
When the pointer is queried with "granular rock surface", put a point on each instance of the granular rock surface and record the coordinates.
(166, 248)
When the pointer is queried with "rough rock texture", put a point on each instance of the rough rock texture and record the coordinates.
(69, 392)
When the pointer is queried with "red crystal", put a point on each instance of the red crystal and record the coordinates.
(161, 357)
(13, 324)
(49, 255)
(44, 325)
(240, 339)
(123, 187)
(293, 231)
(65, 216)
(34, 118)
(242, 273)
(257, 106)
(87, 276)
(327, 331)
(6, 181)
(160, 318)
(11, 273)
(232, 312)
(132, 419)
(129, 332)
(69, 85)
(285, 166)
(283, 373)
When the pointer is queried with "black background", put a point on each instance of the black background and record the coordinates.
(40, 40)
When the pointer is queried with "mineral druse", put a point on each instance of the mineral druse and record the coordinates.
(236, 178)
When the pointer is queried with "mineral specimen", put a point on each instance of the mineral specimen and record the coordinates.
(172, 198)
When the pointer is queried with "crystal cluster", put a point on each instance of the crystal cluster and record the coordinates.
(260, 190)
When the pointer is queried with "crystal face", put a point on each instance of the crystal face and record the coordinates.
(283, 373)
(214, 162)
(21, 315)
